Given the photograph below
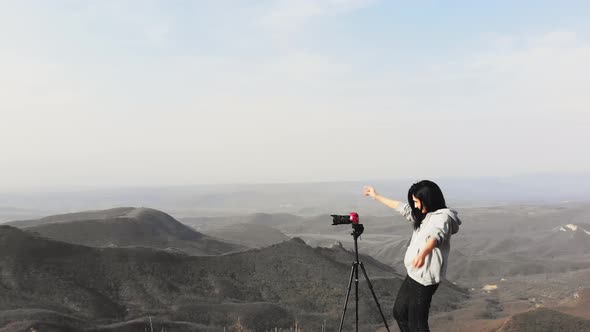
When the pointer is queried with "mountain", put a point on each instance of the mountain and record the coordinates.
(8, 213)
(124, 227)
(28, 320)
(579, 306)
(565, 240)
(497, 242)
(305, 198)
(545, 320)
(492, 242)
(275, 220)
(583, 228)
(77, 285)
(249, 235)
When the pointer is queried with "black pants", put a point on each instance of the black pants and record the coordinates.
(412, 305)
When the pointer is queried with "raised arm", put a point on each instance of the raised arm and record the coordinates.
(400, 207)
(370, 191)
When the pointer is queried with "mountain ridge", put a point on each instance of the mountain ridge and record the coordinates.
(125, 227)
(121, 284)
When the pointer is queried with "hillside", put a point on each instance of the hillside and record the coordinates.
(249, 235)
(115, 285)
(493, 241)
(125, 227)
(545, 320)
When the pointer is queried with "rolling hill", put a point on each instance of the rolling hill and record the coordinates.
(79, 286)
(126, 227)
(249, 235)
(545, 320)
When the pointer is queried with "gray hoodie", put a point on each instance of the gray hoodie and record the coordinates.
(440, 224)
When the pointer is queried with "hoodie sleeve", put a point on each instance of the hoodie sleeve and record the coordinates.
(440, 229)
(405, 210)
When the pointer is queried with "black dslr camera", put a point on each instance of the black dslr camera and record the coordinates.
(352, 218)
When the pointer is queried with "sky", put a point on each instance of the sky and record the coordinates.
(119, 93)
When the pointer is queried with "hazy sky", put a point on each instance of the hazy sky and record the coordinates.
(187, 92)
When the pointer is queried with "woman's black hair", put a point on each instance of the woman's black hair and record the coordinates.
(431, 197)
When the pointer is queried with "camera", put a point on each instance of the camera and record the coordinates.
(352, 218)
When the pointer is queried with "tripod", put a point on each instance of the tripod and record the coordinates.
(357, 231)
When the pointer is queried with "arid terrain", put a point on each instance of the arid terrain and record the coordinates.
(513, 267)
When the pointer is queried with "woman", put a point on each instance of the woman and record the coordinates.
(426, 258)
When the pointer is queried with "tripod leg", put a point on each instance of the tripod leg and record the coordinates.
(356, 295)
(354, 267)
(374, 296)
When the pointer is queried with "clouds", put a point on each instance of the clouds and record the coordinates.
(518, 108)
(183, 93)
(541, 73)
(293, 15)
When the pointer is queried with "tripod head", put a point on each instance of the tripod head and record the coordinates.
(357, 230)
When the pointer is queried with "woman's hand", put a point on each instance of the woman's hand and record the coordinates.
(369, 191)
(418, 261)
